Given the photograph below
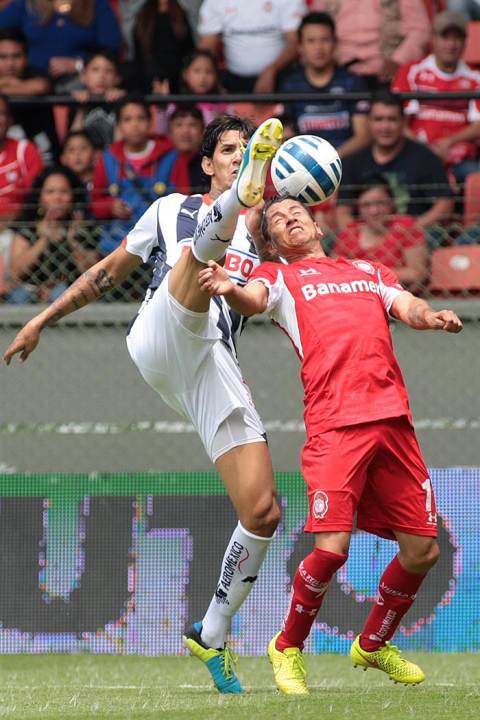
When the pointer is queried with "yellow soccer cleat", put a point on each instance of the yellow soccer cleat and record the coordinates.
(288, 669)
(252, 173)
(389, 659)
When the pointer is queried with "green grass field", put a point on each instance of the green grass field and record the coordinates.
(45, 687)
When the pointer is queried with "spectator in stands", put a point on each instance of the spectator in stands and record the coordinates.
(50, 248)
(259, 39)
(17, 78)
(376, 37)
(199, 77)
(470, 9)
(79, 154)
(381, 236)
(61, 33)
(451, 128)
(100, 77)
(133, 172)
(341, 122)
(20, 162)
(185, 130)
(162, 39)
(416, 175)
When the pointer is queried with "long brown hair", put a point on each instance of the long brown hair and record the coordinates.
(82, 12)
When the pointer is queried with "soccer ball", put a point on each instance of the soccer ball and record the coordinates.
(308, 168)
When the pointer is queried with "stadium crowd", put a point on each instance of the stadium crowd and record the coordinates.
(75, 177)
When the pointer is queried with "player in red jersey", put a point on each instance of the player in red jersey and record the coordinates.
(361, 454)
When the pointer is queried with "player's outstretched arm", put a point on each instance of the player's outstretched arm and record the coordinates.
(418, 314)
(101, 277)
(246, 301)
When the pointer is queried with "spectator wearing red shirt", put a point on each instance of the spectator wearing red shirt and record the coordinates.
(20, 163)
(451, 128)
(381, 236)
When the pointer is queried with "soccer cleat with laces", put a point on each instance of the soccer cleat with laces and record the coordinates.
(389, 659)
(220, 663)
(288, 669)
(252, 173)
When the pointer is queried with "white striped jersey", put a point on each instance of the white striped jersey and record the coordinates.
(167, 228)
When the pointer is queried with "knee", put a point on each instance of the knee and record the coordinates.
(421, 558)
(263, 516)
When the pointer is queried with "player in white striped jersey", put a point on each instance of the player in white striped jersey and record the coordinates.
(184, 346)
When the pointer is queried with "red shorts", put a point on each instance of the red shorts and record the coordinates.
(375, 470)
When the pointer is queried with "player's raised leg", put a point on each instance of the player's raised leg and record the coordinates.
(397, 591)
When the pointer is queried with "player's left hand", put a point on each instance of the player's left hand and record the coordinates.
(444, 320)
(214, 279)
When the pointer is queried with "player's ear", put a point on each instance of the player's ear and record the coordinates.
(207, 166)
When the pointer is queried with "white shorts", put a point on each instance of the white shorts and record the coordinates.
(179, 354)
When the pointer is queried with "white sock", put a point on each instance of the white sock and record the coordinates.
(242, 561)
(214, 234)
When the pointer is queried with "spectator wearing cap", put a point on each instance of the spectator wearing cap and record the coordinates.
(451, 128)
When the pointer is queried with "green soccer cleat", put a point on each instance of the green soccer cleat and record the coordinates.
(288, 669)
(389, 659)
(220, 663)
(252, 173)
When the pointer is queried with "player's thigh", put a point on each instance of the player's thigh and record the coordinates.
(183, 283)
(334, 466)
(399, 495)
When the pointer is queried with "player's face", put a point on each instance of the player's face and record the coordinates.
(317, 46)
(448, 48)
(386, 125)
(223, 166)
(13, 60)
(375, 207)
(292, 229)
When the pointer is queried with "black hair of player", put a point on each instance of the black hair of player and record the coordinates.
(219, 126)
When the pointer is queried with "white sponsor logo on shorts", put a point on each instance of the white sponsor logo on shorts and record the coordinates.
(320, 505)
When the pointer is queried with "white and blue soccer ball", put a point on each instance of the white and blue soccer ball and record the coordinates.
(307, 167)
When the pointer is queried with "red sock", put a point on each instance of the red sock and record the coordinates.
(397, 591)
(309, 586)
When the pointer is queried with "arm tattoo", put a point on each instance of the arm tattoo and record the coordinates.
(103, 281)
(416, 314)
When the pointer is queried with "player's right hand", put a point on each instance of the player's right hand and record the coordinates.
(25, 343)
(214, 279)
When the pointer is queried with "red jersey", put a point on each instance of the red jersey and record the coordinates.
(335, 313)
(400, 235)
(431, 120)
(20, 163)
